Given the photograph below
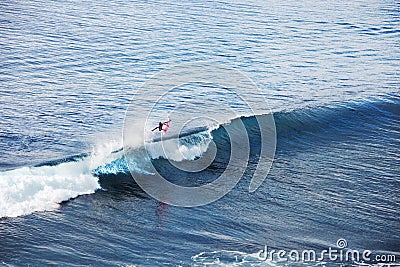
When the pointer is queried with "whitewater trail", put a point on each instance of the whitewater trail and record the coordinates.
(41, 188)
(29, 189)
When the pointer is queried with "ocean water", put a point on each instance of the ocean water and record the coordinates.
(70, 70)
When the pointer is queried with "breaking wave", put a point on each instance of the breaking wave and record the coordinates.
(44, 186)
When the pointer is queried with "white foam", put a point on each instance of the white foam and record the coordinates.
(133, 137)
(103, 152)
(187, 148)
(30, 189)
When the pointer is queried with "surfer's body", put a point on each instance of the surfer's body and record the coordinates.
(162, 126)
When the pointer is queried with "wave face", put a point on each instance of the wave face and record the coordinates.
(44, 186)
(299, 127)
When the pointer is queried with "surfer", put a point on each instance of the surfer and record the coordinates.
(161, 125)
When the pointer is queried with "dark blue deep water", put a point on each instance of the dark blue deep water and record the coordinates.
(329, 71)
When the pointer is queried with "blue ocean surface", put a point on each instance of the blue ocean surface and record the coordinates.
(328, 70)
